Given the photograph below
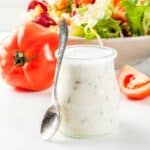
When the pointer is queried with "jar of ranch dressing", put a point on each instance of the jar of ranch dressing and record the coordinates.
(88, 92)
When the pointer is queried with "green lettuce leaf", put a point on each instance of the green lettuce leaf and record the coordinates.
(110, 8)
(146, 21)
(69, 6)
(89, 33)
(134, 14)
(82, 10)
(108, 28)
(76, 30)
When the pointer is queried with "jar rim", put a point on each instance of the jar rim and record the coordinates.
(111, 53)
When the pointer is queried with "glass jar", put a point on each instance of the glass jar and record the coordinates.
(88, 91)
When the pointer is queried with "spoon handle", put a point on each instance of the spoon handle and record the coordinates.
(63, 38)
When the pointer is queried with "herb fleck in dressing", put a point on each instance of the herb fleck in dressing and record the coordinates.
(88, 92)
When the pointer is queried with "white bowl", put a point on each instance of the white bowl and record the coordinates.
(130, 50)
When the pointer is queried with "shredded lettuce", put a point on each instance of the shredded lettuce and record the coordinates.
(134, 14)
(146, 21)
(90, 14)
(69, 7)
(110, 8)
(93, 21)
(82, 10)
(82, 31)
(76, 30)
(108, 28)
(89, 33)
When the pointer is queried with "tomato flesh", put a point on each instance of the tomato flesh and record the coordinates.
(83, 2)
(116, 2)
(119, 12)
(133, 84)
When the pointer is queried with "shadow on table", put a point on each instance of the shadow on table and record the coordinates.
(146, 101)
(129, 135)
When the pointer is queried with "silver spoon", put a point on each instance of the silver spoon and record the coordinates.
(52, 118)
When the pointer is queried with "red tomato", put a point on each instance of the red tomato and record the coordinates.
(119, 14)
(116, 2)
(61, 4)
(45, 20)
(27, 58)
(119, 11)
(34, 3)
(83, 2)
(133, 84)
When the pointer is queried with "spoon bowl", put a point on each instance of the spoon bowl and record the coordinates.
(50, 122)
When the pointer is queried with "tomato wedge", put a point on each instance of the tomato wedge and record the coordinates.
(84, 2)
(119, 12)
(116, 2)
(134, 84)
(61, 4)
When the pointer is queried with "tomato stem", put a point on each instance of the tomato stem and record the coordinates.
(19, 59)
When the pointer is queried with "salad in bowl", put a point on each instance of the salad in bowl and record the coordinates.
(121, 24)
(92, 19)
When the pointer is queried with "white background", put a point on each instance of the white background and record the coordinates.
(11, 12)
(13, 3)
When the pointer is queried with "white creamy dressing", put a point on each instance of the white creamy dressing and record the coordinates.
(88, 92)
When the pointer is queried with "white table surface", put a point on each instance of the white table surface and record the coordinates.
(21, 114)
